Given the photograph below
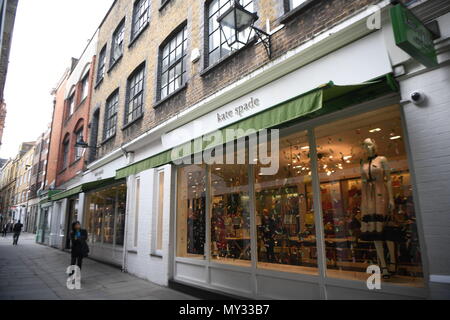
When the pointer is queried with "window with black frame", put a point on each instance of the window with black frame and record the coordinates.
(217, 45)
(135, 95)
(117, 43)
(65, 156)
(141, 16)
(173, 63)
(111, 115)
(101, 64)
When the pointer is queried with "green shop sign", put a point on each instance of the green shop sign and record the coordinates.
(412, 36)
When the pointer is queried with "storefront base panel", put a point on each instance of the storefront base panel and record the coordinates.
(439, 291)
(106, 254)
(269, 284)
(147, 267)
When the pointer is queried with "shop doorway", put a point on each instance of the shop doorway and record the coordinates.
(72, 216)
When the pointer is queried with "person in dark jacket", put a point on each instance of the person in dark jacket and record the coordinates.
(17, 229)
(79, 246)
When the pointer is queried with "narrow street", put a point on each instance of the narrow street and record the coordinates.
(34, 272)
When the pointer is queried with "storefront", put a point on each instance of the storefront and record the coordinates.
(342, 200)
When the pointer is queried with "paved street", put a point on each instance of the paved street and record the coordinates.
(34, 272)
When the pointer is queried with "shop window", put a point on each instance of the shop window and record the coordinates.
(117, 43)
(112, 105)
(230, 214)
(173, 64)
(106, 215)
(135, 94)
(141, 16)
(286, 239)
(367, 198)
(101, 64)
(191, 211)
(217, 45)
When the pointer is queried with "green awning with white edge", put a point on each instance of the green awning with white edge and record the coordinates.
(83, 188)
(324, 99)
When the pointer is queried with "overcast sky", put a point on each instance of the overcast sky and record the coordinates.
(47, 33)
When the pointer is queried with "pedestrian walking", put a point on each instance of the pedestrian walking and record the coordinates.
(79, 246)
(5, 230)
(17, 229)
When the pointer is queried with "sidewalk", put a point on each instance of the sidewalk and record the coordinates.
(35, 272)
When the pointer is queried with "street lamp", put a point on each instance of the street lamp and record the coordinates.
(82, 144)
(235, 24)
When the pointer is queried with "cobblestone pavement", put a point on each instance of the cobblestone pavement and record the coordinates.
(34, 272)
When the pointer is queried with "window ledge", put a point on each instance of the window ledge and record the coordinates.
(210, 68)
(129, 124)
(170, 96)
(107, 139)
(155, 255)
(112, 65)
(132, 251)
(99, 82)
(294, 12)
(136, 37)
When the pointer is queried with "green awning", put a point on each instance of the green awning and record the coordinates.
(83, 188)
(322, 100)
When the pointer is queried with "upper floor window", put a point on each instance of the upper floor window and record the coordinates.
(71, 104)
(84, 87)
(101, 64)
(141, 16)
(117, 43)
(111, 115)
(135, 95)
(217, 45)
(65, 153)
(292, 4)
(173, 64)
(78, 137)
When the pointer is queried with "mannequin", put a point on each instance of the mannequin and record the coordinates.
(377, 202)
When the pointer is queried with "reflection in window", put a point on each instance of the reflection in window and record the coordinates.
(191, 211)
(218, 47)
(230, 214)
(106, 215)
(117, 43)
(367, 200)
(284, 210)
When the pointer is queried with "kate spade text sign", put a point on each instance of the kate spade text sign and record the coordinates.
(238, 111)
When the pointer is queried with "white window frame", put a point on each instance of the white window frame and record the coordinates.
(136, 210)
(158, 213)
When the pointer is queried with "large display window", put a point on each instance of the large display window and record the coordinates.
(105, 215)
(348, 178)
(286, 235)
(366, 197)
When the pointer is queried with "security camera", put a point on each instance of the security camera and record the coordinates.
(418, 97)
